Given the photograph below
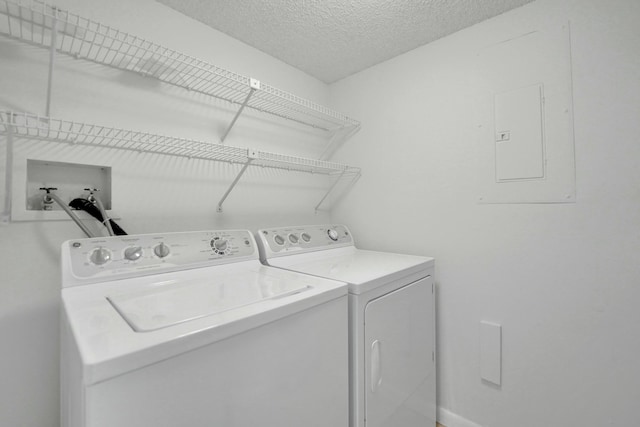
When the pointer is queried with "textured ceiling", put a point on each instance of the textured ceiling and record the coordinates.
(332, 39)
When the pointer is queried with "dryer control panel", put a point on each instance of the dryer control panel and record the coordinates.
(282, 240)
(109, 258)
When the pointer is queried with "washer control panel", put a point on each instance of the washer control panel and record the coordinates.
(301, 238)
(128, 256)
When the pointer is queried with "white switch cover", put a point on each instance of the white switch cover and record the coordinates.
(491, 352)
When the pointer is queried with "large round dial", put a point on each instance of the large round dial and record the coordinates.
(133, 253)
(161, 250)
(333, 234)
(220, 244)
(100, 256)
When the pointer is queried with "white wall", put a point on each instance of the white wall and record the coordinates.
(151, 193)
(562, 279)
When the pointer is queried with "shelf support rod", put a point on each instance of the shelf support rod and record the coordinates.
(8, 181)
(52, 58)
(335, 183)
(233, 184)
(331, 146)
(337, 139)
(253, 86)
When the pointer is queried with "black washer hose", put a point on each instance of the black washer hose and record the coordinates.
(91, 209)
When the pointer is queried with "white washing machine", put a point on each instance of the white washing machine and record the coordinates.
(190, 329)
(391, 320)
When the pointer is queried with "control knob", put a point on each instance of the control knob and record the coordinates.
(333, 234)
(133, 253)
(100, 256)
(279, 239)
(220, 244)
(293, 238)
(306, 237)
(161, 250)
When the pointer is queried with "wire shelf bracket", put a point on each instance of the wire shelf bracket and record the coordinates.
(234, 183)
(337, 139)
(254, 85)
(335, 183)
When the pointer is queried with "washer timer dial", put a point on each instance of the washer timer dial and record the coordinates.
(219, 245)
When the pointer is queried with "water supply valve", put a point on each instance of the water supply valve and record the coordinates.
(47, 200)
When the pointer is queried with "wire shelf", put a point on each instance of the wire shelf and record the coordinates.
(39, 23)
(33, 126)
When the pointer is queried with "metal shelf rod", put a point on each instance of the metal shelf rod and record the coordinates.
(233, 122)
(338, 137)
(233, 184)
(335, 183)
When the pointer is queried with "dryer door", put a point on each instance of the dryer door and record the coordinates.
(399, 359)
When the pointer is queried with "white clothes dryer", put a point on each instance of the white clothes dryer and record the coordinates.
(190, 329)
(392, 376)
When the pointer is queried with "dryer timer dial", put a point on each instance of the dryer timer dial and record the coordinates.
(333, 234)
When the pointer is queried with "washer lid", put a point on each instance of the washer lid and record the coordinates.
(153, 309)
(199, 307)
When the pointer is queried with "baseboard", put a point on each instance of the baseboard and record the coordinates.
(449, 419)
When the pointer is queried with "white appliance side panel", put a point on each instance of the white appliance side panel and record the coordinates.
(291, 372)
(399, 349)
